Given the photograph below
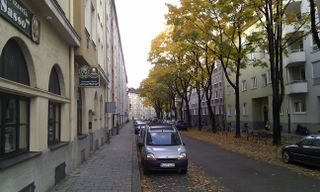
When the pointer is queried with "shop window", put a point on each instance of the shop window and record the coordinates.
(14, 109)
(14, 125)
(54, 110)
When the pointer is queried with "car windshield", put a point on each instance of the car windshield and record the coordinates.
(163, 138)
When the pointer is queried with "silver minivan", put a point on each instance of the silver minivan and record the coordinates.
(163, 149)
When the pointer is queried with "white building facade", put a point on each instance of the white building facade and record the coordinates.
(137, 110)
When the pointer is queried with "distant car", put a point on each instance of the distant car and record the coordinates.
(163, 149)
(306, 151)
(138, 126)
(181, 125)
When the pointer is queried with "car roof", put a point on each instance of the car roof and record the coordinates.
(161, 128)
(317, 136)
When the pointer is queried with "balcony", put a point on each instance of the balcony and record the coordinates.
(295, 56)
(297, 87)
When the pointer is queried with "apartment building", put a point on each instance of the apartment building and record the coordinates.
(55, 83)
(36, 43)
(217, 100)
(117, 90)
(137, 110)
(301, 105)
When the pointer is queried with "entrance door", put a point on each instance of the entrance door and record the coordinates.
(265, 115)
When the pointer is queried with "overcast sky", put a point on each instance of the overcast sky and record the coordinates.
(140, 21)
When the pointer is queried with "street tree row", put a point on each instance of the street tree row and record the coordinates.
(202, 33)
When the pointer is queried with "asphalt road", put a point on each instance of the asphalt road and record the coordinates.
(238, 173)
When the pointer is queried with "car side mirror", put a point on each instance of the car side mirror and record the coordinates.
(183, 143)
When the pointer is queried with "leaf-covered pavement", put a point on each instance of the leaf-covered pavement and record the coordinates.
(258, 148)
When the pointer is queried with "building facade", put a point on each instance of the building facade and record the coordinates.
(301, 106)
(50, 122)
(137, 110)
(217, 101)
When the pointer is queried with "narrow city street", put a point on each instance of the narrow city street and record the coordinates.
(115, 167)
(239, 173)
(216, 169)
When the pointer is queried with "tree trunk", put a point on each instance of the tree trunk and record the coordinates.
(199, 108)
(187, 110)
(314, 30)
(211, 117)
(237, 98)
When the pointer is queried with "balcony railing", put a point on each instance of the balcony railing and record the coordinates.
(295, 56)
(297, 86)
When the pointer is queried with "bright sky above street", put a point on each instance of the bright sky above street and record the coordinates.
(140, 22)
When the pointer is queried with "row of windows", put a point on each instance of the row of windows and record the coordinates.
(218, 110)
(265, 80)
(299, 106)
(15, 110)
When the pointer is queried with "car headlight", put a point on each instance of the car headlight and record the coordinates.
(183, 156)
(150, 156)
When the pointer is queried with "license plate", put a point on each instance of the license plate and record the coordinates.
(167, 165)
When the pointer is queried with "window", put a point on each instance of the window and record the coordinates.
(79, 113)
(12, 63)
(316, 72)
(161, 138)
(314, 45)
(245, 109)
(93, 23)
(269, 77)
(54, 123)
(14, 109)
(101, 112)
(54, 110)
(221, 110)
(229, 110)
(87, 19)
(228, 89)
(14, 125)
(253, 82)
(264, 81)
(244, 85)
(299, 106)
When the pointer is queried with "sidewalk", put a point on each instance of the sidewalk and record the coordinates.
(113, 168)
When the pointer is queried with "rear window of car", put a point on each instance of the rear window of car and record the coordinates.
(163, 138)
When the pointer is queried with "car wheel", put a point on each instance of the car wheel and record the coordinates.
(286, 157)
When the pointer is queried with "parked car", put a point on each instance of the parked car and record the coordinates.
(163, 149)
(306, 151)
(138, 126)
(181, 125)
